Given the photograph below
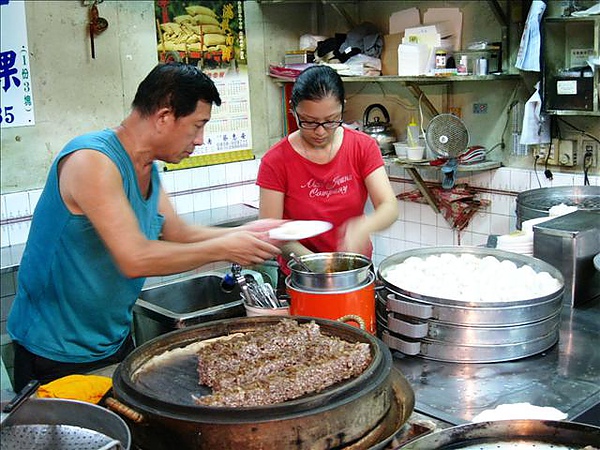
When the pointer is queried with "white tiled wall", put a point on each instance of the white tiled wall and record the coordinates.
(203, 188)
(418, 225)
(195, 189)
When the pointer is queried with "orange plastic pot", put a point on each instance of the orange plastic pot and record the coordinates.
(355, 306)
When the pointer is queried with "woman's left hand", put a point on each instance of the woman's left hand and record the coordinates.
(355, 236)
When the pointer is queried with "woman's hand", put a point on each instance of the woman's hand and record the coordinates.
(355, 236)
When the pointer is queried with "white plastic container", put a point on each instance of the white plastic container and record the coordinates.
(254, 311)
(400, 149)
(415, 153)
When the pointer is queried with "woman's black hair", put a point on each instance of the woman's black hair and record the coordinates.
(177, 86)
(316, 83)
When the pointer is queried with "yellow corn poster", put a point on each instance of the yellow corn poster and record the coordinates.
(211, 35)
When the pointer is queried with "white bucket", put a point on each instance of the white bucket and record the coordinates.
(253, 311)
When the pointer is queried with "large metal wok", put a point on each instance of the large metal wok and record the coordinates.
(164, 414)
(505, 434)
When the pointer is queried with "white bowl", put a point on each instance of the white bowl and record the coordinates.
(415, 153)
(400, 149)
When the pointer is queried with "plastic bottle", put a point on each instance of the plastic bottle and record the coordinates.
(412, 133)
(440, 59)
(463, 65)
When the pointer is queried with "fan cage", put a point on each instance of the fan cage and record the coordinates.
(447, 135)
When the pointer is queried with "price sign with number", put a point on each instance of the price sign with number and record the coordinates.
(16, 108)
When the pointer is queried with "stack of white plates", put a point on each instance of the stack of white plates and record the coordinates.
(522, 241)
(517, 242)
(527, 225)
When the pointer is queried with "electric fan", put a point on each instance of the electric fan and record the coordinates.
(447, 136)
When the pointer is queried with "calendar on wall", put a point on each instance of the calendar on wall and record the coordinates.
(211, 35)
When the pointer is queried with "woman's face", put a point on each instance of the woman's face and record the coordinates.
(318, 120)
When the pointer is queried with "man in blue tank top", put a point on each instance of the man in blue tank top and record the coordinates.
(103, 224)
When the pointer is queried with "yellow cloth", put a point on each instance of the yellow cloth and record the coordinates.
(87, 388)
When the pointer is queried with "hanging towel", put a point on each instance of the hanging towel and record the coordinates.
(536, 124)
(528, 56)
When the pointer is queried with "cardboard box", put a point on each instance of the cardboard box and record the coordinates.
(389, 54)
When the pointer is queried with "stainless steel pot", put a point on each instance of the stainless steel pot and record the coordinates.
(167, 417)
(379, 129)
(330, 271)
(537, 202)
(464, 312)
(538, 434)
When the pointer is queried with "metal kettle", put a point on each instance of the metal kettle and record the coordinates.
(380, 129)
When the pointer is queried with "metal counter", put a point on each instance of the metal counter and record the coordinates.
(566, 377)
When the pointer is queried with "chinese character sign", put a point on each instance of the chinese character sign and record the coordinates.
(211, 35)
(16, 108)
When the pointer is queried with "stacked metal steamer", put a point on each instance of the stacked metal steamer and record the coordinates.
(463, 330)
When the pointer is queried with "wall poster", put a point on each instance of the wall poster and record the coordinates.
(211, 35)
(16, 107)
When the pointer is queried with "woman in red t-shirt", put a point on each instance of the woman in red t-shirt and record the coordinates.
(324, 171)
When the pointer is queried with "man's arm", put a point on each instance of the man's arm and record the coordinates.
(91, 185)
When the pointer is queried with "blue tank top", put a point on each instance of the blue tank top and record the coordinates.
(73, 304)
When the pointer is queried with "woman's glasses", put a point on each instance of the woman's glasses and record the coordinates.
(329, 125)
(310, 125)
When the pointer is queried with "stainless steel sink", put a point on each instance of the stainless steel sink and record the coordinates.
(182, 303)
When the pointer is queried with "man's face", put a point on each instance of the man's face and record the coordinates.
(186, 133)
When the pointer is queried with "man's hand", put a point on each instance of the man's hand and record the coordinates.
(248, 248)
(263, 224)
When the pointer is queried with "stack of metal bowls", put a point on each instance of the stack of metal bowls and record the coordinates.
(465, 330)
(336, 285)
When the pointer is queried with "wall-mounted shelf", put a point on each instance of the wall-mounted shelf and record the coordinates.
(413, 170)
(413, 83)
(423, 80)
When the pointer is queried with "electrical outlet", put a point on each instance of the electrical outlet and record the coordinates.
(567, 153)
(540, 151)
(587, 145)
(551, 158)
(480, 108)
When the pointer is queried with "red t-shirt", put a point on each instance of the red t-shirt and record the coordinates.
(334, 192)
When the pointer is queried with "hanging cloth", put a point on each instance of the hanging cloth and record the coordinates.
(536, 124)
(528, 56)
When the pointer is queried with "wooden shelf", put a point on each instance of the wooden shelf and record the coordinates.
(423, 80)
(414, 83)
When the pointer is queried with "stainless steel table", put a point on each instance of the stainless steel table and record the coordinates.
(566, 377)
